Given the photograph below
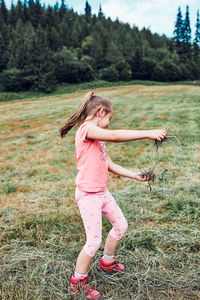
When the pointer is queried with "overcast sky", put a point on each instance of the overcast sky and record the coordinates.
(158, 15)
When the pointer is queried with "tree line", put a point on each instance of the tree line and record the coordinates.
(41, 47)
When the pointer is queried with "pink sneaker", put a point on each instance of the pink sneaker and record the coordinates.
(110, 267)
(79, 285)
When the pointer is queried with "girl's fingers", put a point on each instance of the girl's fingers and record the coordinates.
(145, 178)
(158, 139)
(161, 136)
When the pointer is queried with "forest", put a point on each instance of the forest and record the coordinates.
(41, 47)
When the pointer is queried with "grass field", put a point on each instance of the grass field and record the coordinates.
(41, 232)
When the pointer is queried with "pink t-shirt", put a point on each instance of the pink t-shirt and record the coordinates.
(92, 162)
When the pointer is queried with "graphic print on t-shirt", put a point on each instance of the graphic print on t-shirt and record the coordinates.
(104, 153)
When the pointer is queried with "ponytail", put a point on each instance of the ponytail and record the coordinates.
(78, 116)
(87, 107)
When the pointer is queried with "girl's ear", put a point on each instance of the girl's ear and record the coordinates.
(102, 112)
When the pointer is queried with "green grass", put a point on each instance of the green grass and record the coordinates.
(41, 232)
(67, 88)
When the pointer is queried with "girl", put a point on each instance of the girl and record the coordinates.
(92, 195)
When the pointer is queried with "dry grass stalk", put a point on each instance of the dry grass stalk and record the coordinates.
(168, 138)
(150, 175)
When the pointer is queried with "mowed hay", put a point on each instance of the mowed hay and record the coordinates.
(41, 232)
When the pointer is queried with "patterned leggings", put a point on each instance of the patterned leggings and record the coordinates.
(92, 206)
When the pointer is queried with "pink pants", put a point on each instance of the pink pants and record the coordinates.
(91, 206)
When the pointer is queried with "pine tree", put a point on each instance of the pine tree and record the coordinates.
(186, 54)
(5, 36)
(64, 33)
(12, 15)
(4, 48)
(76, 33)
(196, 45)
(41, 64)
(19, 9)
(186, 27)
(137, 64)
(18, 57)
(63, 5)
(197, 32)
(56, 6)
(17, 46)
(3, 12)
(32, 57)
(88, 10)
(63, 9)
(35, 12)
(100, 14)
(25, 11)
(178, 32)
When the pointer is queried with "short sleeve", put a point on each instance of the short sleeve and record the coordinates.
(83, 132)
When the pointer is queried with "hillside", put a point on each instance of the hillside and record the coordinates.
(40, 228)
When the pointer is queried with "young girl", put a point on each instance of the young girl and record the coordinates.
(92, 195)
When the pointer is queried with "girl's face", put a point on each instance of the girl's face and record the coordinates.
(105, 120)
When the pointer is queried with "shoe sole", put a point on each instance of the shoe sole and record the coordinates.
(109, 273)
(73, 294)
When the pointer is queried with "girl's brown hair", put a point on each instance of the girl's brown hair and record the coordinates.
(89, 106)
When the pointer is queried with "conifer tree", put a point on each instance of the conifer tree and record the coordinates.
(186, 54)
(197, 32)
(35, 12)
(4, 53)
(19, 9)
(88, 10)
(40, 70)
(12, 15)
(18, 57)
(100, 14)
(5, 37)
(196, 46)
(63, 9)
(186, 27)
(64, 33)
(63, 5)
(56, 6)
(25, 11)
(178, 32)
(137, 64)
(3, 12)
(18, 46)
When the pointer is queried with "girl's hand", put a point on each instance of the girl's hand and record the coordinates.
(157, 134)
(141, 176)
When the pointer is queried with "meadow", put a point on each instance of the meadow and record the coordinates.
(41, 231)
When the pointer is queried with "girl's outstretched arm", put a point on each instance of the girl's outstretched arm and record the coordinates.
(98, 133)
(119, 170)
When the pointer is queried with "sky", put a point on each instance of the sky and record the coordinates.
(158, 15)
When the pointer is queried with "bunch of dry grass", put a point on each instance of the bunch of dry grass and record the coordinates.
(149, 173)
(168, 139)
(153, 173)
